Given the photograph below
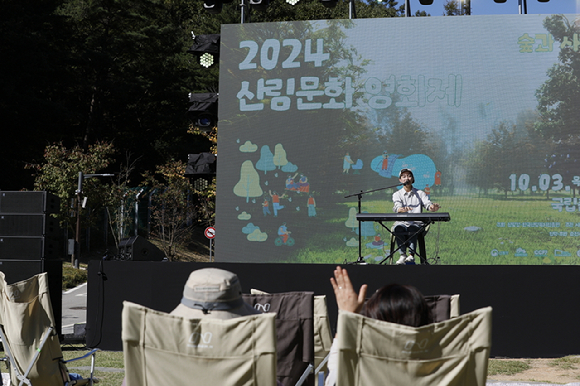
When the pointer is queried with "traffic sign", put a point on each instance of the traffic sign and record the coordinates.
(209, 232)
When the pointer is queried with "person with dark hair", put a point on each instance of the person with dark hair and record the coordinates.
(394, 303)
(409, 200)
(401, 304)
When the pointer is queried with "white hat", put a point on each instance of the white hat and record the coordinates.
(213, 293)
(406, 171)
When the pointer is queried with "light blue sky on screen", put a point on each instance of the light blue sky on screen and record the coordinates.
(510, 7)
(498, 80)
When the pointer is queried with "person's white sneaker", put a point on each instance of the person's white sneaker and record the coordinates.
(410, 259)
(401, 260)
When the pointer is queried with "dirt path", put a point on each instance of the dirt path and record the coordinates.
(558, 371)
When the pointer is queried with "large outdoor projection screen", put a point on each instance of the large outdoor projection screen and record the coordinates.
(483, 109)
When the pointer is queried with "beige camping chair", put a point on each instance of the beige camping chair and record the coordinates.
(31, 344)
(322, 338)
(454, 352)
(294, 331)
(164, 349)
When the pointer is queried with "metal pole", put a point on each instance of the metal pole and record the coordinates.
(351, 10)
(523, 7)
(243, 9)
(137, 212)
(407, 8)
(77, 248)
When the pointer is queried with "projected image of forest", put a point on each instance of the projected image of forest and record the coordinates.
(482, 109)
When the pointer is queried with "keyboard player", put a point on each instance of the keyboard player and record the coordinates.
(409, 200)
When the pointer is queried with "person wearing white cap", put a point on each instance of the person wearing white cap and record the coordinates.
(409, 200)
(213, 293)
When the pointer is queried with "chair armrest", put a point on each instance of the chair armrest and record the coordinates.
(92, 352)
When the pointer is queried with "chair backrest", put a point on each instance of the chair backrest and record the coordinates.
(26, 315)
(294, 331)
(443, 307)
(164, 349)
(322, 332)
(453, 352)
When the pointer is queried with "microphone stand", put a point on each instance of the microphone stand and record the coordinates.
(359, 197)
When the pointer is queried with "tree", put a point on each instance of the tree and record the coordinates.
(172, 212)
(396, 129)
(510, 152)
(453, 8)
(35, 105)
(266, 161)
(559, 117)
(133, 75)
(249, 183)
(59, 172)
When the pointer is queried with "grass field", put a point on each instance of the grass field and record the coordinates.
(482, 231)
(112, 374)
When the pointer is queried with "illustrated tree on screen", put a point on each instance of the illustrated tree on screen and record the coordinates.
(559, 95)
(306, 146)
(266, 161)
(280, 156)
(249, 183)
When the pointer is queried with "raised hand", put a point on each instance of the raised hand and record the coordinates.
(346, 297)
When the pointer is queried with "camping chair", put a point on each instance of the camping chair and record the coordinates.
(454, 352)
(32, 347)
(322, 338)
(164, 349)
(443, 307)
(294, 332)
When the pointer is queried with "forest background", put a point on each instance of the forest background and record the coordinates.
(101, 86)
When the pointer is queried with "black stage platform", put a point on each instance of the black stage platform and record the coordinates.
(534, 307)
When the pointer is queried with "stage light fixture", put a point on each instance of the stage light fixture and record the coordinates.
(543, 1)
(426, 2)
(207, 47)
(259, 5)
(329, 3)
(203, 111)
(206, 60)
(500, 1)
(200, 165)
(212, 6)
(292, 2)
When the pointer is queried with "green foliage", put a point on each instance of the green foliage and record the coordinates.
(504, 367)
(172, 211)
(450, 240)
(453, 8)
(558, 96)
(35, 103)
(59, 173)
(72, 277)
(512, 151)
(566, 363)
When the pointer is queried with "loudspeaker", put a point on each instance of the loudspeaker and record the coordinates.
(137, 248)
(29, 202)
(29, 225)
(18, 270)
(30, 248)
